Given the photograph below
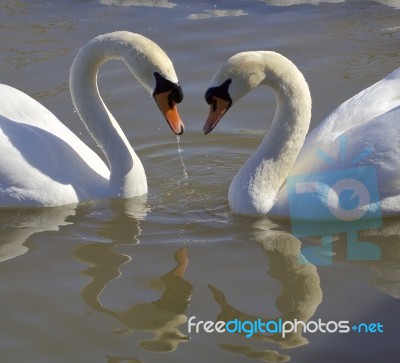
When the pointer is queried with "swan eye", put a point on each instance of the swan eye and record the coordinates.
(221, 91)
(164, 85)
(177, 93)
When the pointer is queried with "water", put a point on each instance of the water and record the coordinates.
(115, 281)
(185, 175)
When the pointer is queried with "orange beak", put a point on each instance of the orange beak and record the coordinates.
(170, 111)
(218, 107)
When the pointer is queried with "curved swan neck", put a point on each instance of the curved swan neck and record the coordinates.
(266, 170)
(126, 171)
(293, 110)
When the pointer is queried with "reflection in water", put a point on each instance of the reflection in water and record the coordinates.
(386, 271)
(121, 226)
(347, 248)
(17, 225)
(299, 298)
(161, 317)
(115, 217)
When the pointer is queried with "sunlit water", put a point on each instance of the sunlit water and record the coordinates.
(116, 281)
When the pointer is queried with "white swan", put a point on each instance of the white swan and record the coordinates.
(363, 131)
(42, 163)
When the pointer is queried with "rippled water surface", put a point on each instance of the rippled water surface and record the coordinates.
(116, 281)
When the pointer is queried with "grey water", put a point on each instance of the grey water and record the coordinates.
(117, 281)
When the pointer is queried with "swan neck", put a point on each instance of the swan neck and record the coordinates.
(126, 171)
(267, 169)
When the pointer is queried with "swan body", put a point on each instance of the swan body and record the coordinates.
(43, 163)
(362, 132)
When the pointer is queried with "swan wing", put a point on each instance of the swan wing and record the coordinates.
(41, 161)
(368, 104)
(19, 107)
(375, 144)
(365, 106)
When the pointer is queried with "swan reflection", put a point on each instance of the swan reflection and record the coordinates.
(114, 220)
(17, 225)
(120, 226)
(386, 271)
(299, 297)
(355, 248)
(300, 292)
(162, 317)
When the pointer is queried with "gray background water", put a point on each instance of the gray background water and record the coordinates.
(114, 281)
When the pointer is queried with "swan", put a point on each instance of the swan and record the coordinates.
(43, 163)
(361, 132)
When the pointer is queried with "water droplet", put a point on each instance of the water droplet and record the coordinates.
(184, 173)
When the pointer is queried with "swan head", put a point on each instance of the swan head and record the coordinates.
(155, 71)
(145, 59)
(167, 95)
(220, 101)
(235, 78)
(239, 75)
